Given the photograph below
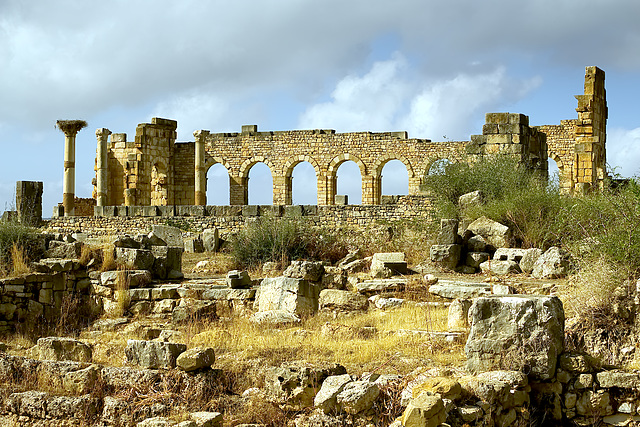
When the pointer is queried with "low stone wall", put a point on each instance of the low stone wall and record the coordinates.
(118, 220)
(29, 299)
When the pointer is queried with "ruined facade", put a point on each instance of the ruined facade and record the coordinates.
(155, 170)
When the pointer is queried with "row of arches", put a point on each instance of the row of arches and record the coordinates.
(303, 185)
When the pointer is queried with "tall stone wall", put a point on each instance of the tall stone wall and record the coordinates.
(154, 170)
(579, 146)
(130, 220)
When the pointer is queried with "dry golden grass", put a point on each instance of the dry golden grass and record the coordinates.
(122, 294)
(361, 342)
(219, 263)
(19, 261)
(108, 258)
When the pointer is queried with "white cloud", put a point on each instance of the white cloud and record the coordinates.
(622, 151)
(387, 98)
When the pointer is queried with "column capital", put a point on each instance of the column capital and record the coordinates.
(201, 133)
(103, 132)
(70, 127)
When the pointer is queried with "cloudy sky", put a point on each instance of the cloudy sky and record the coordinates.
(432, 68)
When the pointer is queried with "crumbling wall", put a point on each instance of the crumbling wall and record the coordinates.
(154, 170)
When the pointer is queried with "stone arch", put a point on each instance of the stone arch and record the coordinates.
(217, 198)
(412, 185)
(332, 178)
(565, 181)
(345, 157)
(382, 161)
(289, 166)
(293, 161)
(249, 163)
(213, 160)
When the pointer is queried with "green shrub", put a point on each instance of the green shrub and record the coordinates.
(282, 240)
(13, 234)
(513, 195)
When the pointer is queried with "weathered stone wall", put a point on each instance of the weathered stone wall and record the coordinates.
(118, 220)
(579, 146)
(154, 170)
(33, 297)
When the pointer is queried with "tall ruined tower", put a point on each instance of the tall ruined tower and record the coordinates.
(591, 132)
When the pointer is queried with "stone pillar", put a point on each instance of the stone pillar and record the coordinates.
(29, 202)
(288, 190)
(323, 189)
(368, 190)
(201, 175)
(70, 129)
(102, 166)
(239, 194)
(414, 185)
(280, 191)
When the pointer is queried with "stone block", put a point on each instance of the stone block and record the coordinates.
(56, 348)
(516, 332)
(448, 234)
(134, 259)
(250, 210)
(453, 289)
(153, 354)
(196, 358)
(553, 264)
(509, 254)
(207, 419)
(167, 211)
(150, 211)
(395, 262)
(306, 270)
(341, 199)
(500, 268)
(167, 259)
(194, 245)
(496, 118)
(191, 210)
(270, 210)
(376, 286)
(211, 239)
(333, 299)
(172, 236)
(497, 235)
(29, 202)
(238, 279)
(293, 211)
(284, 293)
(448, 256)
(529, 259)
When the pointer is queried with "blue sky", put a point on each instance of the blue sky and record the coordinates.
(431, 68)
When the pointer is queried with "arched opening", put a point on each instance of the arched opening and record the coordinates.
(304, 184)
(554, 172)
(218, 185)
(159, 185)
(438, 167)
(395, 178)
(349, 182)
(260, 185)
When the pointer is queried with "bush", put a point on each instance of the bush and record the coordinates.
(284, 239)
(14, 236)
(513, 195)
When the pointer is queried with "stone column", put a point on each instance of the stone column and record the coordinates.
(201, 175)
(70, 129)
(102, 162)
(280, 189)
(368, 190)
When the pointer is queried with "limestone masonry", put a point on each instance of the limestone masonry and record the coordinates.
(155, 170)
